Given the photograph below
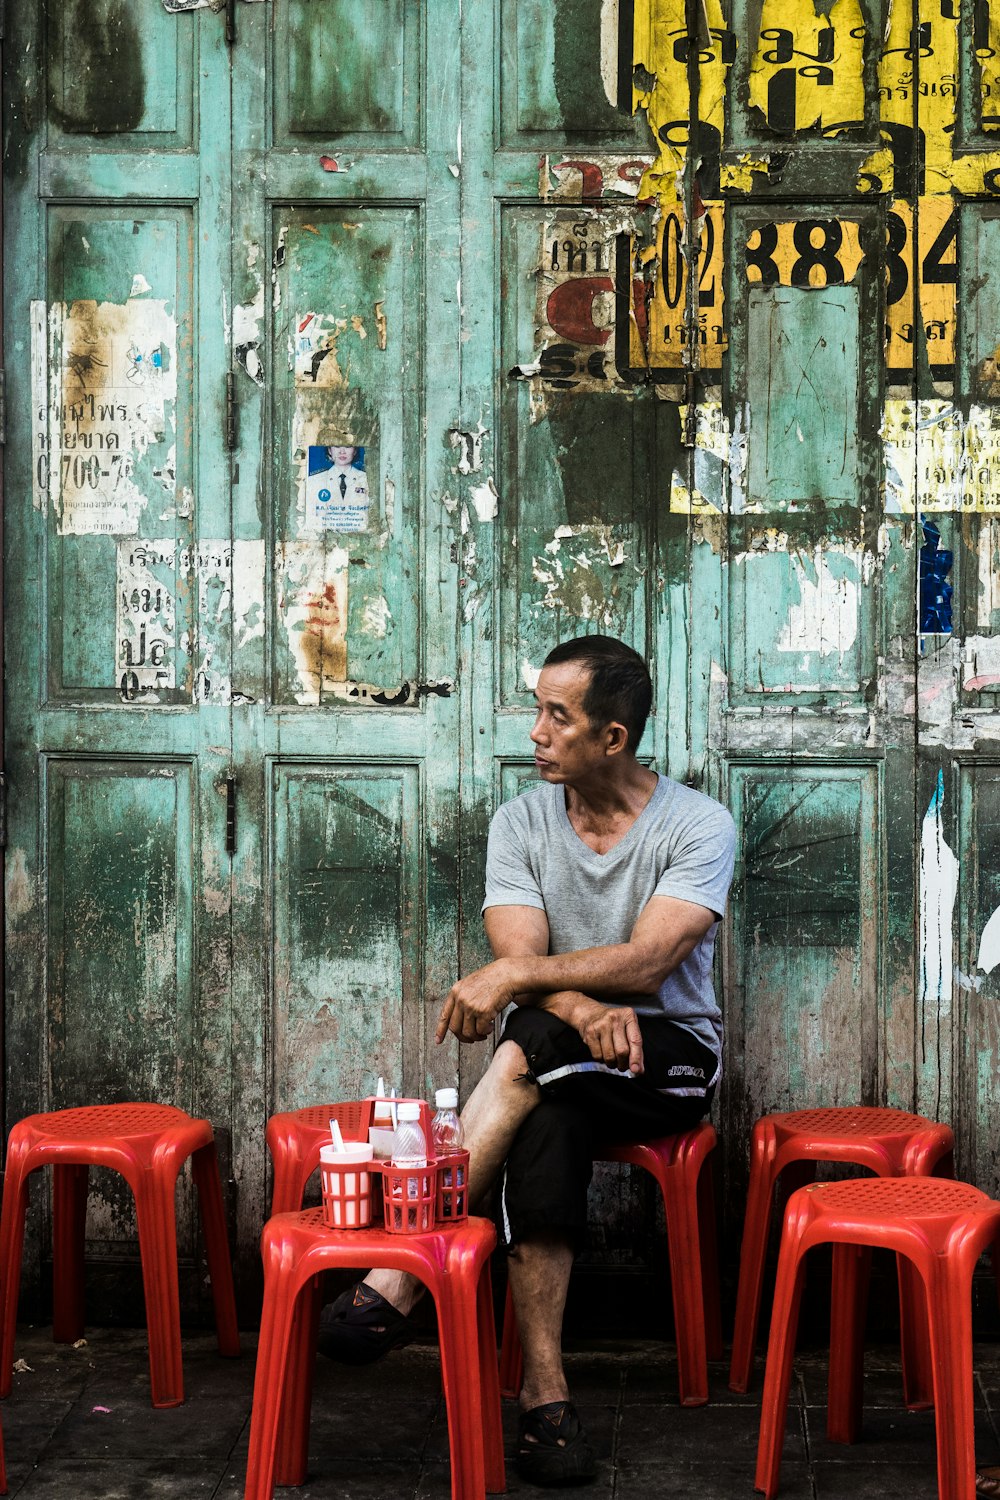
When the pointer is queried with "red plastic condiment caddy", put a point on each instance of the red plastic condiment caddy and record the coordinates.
(410, 1200)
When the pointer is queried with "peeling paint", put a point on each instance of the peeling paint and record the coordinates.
(825, 619)
(145, 630)
(376, 617)
(737, 176)
(104, 439)
(938, 890)
(247, 320)
(530, 675)
(808, 67)
(486, 500)
(989, 945)
(312, 608)
(980, 663)
(470, 448)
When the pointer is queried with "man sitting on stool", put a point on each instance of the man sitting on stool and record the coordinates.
(604, 889)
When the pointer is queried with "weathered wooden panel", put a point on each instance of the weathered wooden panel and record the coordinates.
(349, 71)
(801, 617)
(980, 231)
(803, 413)
(118, 844)
(566, 73)
(112, 454)
(347, 907)
(802, 1013)
(978, 972)
(346, 460)
(579, 474)
(119, 74)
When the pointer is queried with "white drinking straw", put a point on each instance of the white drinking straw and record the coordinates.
(335, 1135)
(392, 1107)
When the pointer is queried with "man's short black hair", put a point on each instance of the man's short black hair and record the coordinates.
(619, 689)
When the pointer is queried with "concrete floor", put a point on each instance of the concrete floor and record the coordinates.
(78, 1426)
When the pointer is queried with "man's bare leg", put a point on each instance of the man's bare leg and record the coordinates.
(498, 1107)
(538, 1270)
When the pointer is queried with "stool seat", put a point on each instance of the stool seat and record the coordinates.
(940, 1228)
(148, 1145)
(682, 1168)
(453, 1263)
(889, 1142)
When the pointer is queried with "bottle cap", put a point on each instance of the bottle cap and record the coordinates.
(446, 1098)
(409, 1111)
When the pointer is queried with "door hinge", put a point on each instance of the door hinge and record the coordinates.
(3, 403)
(3, 809)
(230, 814)
(230, 412)
(230, 22)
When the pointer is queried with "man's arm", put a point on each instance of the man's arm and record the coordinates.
(567, 984)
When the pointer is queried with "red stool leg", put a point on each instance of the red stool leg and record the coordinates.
(511, 1354)
(69, 1225)
(752, 1252)
(205, 1169)
(848, 1307)
(292, 1451)
(489, 1385)
(457, 1299)
(778, 1371)
(950, 1318)
(709, 1238)
(154, 1206)
(914, 1338)
(15, 1204)
(270, 1379)
(680, 1196)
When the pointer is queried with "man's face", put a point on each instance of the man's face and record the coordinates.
(567, 746)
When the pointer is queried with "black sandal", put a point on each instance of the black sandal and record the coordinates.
(362, 1327)
(552, 1447)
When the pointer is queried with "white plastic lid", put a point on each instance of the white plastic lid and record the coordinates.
(446, 1098)
(409, 1112)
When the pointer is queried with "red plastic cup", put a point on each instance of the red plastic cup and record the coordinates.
(346, 1179)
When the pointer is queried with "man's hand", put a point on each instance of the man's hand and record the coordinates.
(611, 1032)
(474, 1001)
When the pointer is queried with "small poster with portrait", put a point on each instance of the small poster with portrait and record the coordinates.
(336, 488)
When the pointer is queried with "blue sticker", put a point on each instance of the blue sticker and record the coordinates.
(935, 590)
(324, 494)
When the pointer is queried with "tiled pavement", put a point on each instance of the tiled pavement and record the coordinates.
(78, 1426)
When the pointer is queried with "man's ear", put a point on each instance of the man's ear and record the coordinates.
(617, 738)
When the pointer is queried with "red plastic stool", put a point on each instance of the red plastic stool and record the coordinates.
(294, 1140)
(941, 1228)
(677, 1163)
(890, 1143)
(454, 1264)
(148, 1144)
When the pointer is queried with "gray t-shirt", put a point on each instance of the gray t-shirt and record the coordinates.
(682, 844)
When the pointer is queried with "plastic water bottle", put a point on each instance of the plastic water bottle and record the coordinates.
(409, 1145)
(447, 1135)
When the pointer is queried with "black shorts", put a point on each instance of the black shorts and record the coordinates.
(543, 1187)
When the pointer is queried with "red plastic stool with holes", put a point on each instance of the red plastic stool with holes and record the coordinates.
(148, 1144)
(889, 1142)
(295, 1137)
(681, 1165)
(941, 1228)
(454, 1264)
